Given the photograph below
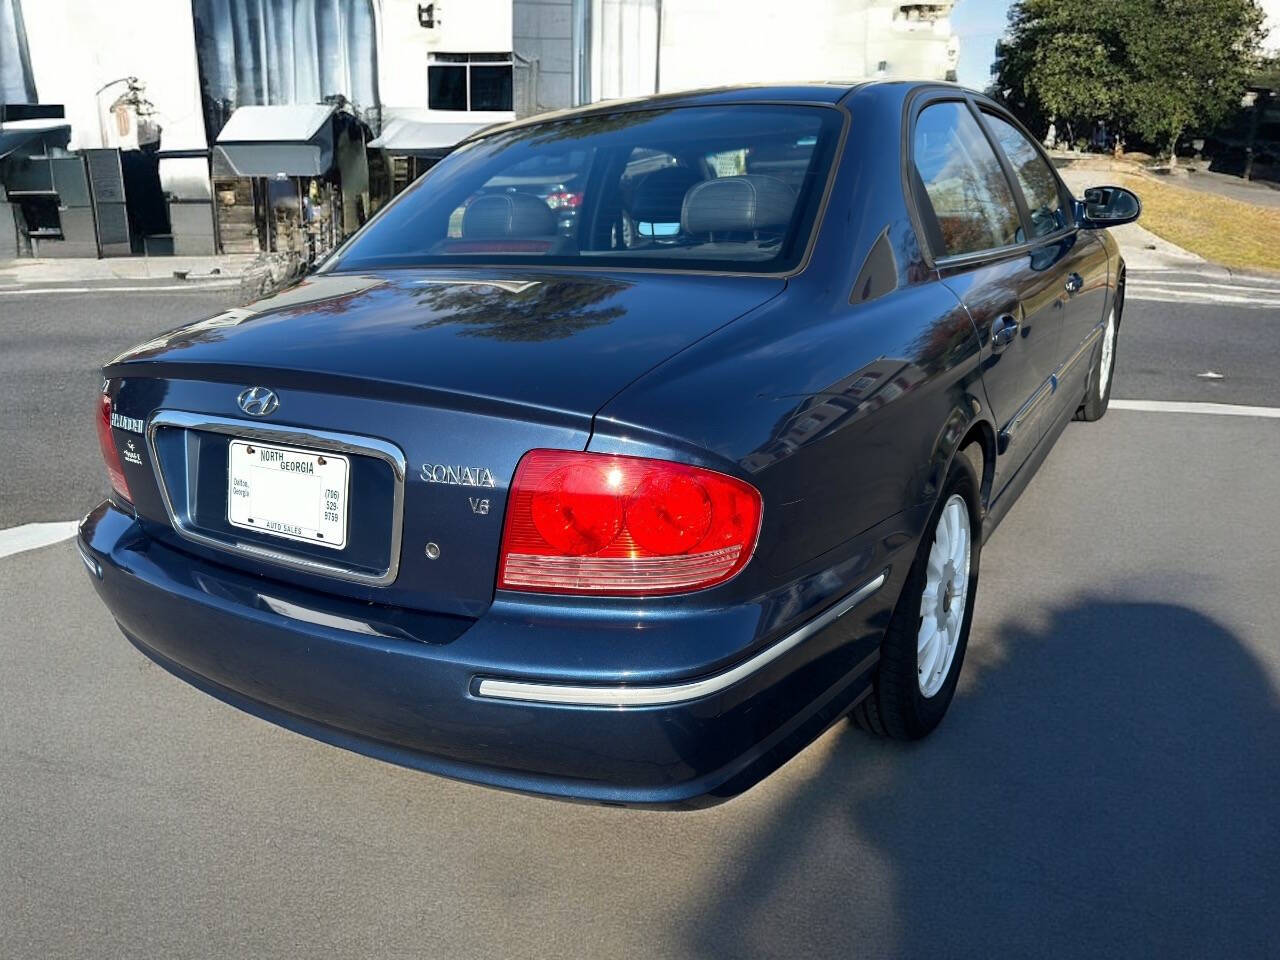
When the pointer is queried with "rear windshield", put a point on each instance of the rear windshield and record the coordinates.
(692, 188)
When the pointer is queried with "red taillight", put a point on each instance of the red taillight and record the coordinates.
(604, 524)
(115, 469)
(560, 199)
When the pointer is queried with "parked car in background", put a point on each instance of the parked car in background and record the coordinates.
(628, 505)
(556, 180)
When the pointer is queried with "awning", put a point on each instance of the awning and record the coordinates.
(16, 134)
(290, 140)
(421, 138)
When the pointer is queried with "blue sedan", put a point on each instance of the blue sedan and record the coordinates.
(628, 510)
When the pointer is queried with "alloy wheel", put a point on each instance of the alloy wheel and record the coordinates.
(1108, 354)
(946, 592)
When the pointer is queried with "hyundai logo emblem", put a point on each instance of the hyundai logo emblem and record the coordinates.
(258, 401)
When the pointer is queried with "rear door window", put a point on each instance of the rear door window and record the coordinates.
(970, 197)
(1038, 182)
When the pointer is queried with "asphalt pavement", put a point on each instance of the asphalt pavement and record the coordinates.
(52, 348)
(1104, 785)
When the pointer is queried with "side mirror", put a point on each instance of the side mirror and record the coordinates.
(1107, 207)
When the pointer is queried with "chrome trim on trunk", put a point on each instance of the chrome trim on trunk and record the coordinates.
(651, 696)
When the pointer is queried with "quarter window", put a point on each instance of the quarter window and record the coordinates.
(1038, 182)
(971, 199)
(469, 81)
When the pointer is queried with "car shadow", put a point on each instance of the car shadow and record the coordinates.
(1107, 785)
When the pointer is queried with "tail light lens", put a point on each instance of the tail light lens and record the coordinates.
(564, 199)
(602, 524)
(110, 455)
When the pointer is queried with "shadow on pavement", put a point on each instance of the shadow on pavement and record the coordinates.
(1106, 786)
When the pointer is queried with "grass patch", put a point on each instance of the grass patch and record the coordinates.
(1220, 229)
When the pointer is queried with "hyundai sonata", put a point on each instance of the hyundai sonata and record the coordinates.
(628, 510)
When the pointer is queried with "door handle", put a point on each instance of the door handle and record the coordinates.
(1003, 331)
(1074, 283)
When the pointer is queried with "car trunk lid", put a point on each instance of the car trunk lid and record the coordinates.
(434, 386)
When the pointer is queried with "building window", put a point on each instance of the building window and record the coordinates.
(469, 81)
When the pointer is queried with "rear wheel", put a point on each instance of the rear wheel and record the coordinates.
(1098, 394)
(923, 648)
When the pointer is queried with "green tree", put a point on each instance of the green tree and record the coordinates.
(1190, 72)
(1157, 67)
(1060, 60)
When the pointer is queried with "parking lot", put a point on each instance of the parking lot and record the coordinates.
(1105, 783)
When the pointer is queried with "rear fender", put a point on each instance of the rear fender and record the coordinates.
(968, 421)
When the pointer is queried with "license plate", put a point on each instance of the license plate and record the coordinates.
(286, 492)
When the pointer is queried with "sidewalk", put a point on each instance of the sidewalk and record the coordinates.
(1142, 250)
(1262, 193)
(223, 270)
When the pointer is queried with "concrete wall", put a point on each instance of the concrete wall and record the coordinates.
(714, 42)
(543, 37)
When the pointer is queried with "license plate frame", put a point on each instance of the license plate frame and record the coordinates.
(289, 493)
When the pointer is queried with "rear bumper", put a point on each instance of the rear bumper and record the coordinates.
(407, 688)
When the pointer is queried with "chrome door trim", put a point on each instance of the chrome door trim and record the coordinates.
(1085, 346)
(653, 696)
(289, 436)
(1026, 411)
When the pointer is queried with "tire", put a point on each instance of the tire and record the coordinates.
(905, 704)
(1097, 395)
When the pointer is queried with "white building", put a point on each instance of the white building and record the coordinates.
(577, 51)
(246, 125)
(444, 70)
(345, 100)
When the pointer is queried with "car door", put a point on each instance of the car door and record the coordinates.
(1070, 264)
(976, 231)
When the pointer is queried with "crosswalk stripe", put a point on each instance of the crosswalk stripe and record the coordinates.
(1201, 285)
(32, 536)
(1203, 293)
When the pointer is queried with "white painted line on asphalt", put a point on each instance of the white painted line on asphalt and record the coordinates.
(1194, 274)
(190, 288)
(1214, 409)
(32, 536)
(1161, 295)
(1197, 284)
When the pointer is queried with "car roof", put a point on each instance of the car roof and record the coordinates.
(824, 92)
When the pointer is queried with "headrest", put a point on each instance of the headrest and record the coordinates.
(507, 215)
(658, 197)
(737, 204)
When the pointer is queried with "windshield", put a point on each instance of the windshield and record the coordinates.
(692, 188)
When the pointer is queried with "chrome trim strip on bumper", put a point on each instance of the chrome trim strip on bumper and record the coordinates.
(652, 696)
(290, 436)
